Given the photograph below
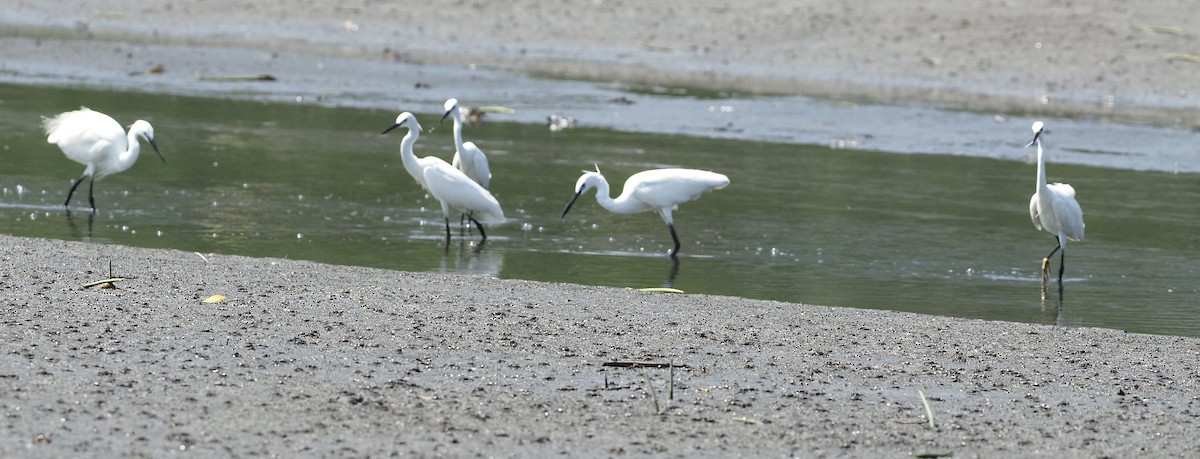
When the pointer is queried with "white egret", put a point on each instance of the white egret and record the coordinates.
(453, 189)
(97, 141)
(660, 190)
(1053, 209)
(468, 158)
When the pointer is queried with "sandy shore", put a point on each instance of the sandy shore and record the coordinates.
(303, 359)
(1108, 58)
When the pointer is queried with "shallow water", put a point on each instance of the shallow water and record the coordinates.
(933, 234)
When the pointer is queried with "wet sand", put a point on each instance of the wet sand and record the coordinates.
(304, 359)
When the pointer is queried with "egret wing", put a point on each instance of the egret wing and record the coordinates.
(84, 134)
(476, 165)
(668, 187)
(1063, 189)
(1033, 212)
(1067, 210)
(460, 193)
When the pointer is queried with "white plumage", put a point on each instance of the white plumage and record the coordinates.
(453, 189)
(468, 158)
(1053, 209)
(98, 142)
(660, 190)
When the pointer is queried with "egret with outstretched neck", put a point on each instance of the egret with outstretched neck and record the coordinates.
(468, 158)
(97, 141)
(660, 190)
(453, 189)
(1053, 209)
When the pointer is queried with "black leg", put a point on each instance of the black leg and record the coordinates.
(480, 226)
(1062, 261)
(74, 185)
(676, 238)
(1056, 247)
(91, 197)
(447, 230)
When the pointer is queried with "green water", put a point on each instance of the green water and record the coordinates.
(922, 233)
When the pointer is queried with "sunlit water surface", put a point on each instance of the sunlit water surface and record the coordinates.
(932, 234)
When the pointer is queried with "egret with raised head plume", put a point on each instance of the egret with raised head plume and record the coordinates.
(660, 190)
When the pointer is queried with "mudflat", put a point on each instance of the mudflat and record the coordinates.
(305, 359)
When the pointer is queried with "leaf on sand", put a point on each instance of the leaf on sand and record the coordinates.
(661, 290)
(1169, 30)
(1172, 57)
(214, 299)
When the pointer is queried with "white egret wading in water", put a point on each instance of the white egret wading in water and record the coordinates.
(467, 157)
(97, 141)
(453, 189)
(660, 190)
(1053, 209)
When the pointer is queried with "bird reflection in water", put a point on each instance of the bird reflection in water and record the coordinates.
(670, 283)
(1055, 299)
(473, 260)
(73, 228)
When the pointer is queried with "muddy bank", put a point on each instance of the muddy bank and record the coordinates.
(310, 359)
(1101, 57)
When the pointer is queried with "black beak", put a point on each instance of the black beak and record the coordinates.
(447, 114)
(1035, 139)
(569, 204)
(155, 146)
(394, 126)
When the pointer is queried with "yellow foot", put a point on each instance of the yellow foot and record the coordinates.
(1045, 270)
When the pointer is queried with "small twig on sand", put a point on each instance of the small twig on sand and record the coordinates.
(934, 454)
(640, 364)
(109, 283)
(101, 283)
(650, 388)
(260, 77)
(671, 387)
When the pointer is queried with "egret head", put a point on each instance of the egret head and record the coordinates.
(451, 107)
(1037, 132)
(143, 129)
(587, 181)
(405, 119)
